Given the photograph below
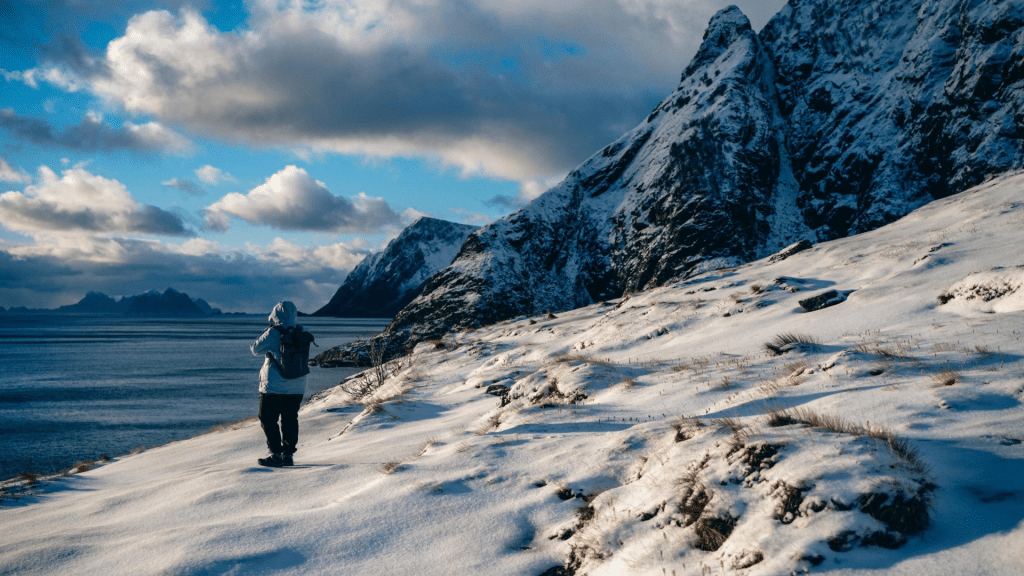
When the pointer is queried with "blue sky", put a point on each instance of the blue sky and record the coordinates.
(248, 152)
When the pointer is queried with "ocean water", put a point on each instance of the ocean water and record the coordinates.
(76, 387)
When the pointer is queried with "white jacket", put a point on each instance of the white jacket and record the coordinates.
(271, 381)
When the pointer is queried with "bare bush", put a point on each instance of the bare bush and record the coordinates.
(380, 369)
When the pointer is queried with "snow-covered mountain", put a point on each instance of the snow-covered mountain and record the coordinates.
(838, 117)
(709, 426)
(384, 282)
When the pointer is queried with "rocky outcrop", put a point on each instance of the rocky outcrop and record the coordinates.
(385, 282)
(839, 117)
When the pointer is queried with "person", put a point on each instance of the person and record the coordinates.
(280, 398)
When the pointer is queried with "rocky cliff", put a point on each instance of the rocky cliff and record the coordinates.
(385, 282)
(839, 117)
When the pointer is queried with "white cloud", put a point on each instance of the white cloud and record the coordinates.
(292, 200)
(185, 185)
(213, 175)
(154, 136)
(519, 90)
(63, 78)
(26, 76)
(13, 175)
(340, 256)
(81, 202)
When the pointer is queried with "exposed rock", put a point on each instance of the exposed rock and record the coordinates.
(790, 250)
(830, 298)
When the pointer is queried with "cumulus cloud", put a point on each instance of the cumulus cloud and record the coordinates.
(55, 271)
(213, 175)
(292, 200)
(82, 202)
(93, 135)
(516, 90)
(340, 256)
(13, 175)
(185, 185)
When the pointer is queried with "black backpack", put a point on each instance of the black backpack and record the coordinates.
(294, 360)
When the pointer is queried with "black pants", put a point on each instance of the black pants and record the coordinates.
(285, 407)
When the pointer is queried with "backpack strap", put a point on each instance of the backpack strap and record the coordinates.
(273, 359)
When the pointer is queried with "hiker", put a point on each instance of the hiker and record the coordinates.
(282, 383)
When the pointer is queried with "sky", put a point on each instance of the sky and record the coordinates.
(250, 152)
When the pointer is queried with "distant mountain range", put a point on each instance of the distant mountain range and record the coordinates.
(152, 303)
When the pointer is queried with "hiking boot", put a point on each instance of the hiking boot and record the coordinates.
(287, 460)
(274, 461)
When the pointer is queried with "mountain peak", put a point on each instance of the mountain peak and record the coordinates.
(839, 117)
(725, 28)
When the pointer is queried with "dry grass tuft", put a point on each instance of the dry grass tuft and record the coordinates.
(777, 416)
(898, 446)
(391, 466)
(734, 425)
(724, 384)
(427, 444)
(945, 377)
(83, 466)
(686, 427)
(984, 351)
(777, 346)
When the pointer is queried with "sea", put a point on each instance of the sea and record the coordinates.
(77, 387)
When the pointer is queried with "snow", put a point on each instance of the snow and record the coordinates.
(590, 460)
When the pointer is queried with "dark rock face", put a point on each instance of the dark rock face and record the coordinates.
(385, 282)
(830, 298)
(839, 117)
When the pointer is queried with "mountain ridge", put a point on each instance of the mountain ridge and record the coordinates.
(835, 119)
(151, 303)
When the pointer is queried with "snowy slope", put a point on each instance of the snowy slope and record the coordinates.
(838, 117)
(655, 434)
(384, 282)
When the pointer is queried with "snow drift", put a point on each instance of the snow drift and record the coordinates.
(709, 426)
